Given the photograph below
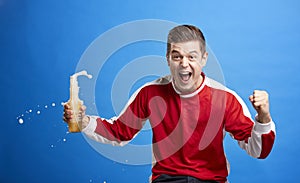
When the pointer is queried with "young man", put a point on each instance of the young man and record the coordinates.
(189, 114)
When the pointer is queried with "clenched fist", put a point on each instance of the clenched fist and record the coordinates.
(260, 102)
(82, 119)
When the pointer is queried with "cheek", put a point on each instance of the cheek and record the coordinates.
(172, 66)
(197, 67)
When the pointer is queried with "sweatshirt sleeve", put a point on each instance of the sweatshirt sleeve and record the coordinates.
(255, 138)
(121, 129)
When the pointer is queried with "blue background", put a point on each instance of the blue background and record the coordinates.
(41, 42)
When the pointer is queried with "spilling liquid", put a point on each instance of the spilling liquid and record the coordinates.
(31, 114)
(28, 114)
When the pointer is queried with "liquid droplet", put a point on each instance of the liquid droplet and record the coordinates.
(38, 112)
(21, 121)
(53, 104)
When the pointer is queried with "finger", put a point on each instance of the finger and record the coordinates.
(256, 104)
(260, 99)
(257, 93)
(259, 104)
(68, 116)
(257, 99)
(260, 96)
(251, 98)
(67, 106)
(67, 119)
(68, 112)
(83, 108)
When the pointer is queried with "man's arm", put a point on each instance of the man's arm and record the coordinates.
(255, 137)
(117, 130)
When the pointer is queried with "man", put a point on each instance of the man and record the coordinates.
(189, 114)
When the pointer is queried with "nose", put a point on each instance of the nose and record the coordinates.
(184, 62)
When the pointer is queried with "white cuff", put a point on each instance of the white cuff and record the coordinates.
(264, 128)
(91, 127)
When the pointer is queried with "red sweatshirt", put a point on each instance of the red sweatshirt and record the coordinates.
(188, 130)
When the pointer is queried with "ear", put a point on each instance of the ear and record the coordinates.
(204, 59)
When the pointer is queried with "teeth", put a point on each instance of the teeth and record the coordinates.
(184, 73)
(185, 76)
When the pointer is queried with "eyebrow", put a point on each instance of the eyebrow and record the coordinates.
(193, 52)
(175, 51)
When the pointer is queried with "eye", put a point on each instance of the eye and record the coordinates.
(192, 57)
(176, 57)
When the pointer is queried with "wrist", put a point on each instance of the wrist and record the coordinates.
(263, 118)
(85, 121)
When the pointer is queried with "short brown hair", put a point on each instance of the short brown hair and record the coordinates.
(184, 33)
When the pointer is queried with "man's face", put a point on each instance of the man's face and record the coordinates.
(186, 62)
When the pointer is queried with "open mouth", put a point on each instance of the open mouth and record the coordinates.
(185, 76)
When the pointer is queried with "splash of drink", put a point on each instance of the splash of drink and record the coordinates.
(74, 102)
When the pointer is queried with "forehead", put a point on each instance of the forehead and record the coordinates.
(186, 47)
